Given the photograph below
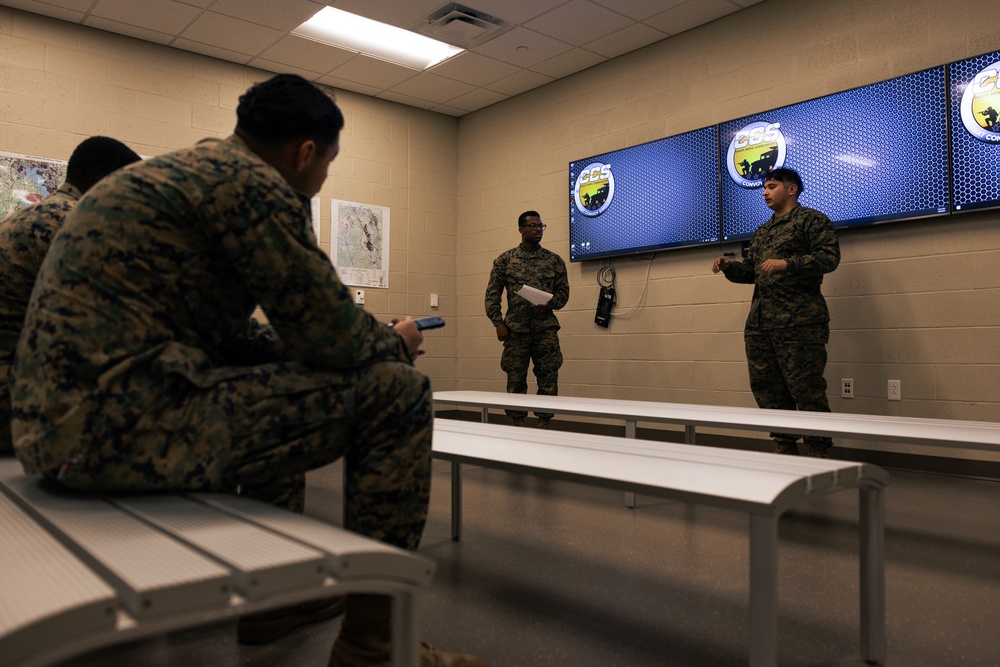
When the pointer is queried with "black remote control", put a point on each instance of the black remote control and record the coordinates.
(429, 323)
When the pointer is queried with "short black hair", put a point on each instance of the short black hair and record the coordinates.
(95, 158)
(288, 108)
(523, 218)
(785, 175)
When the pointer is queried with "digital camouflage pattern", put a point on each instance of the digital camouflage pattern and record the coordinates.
(140, 368)
(786, 373)
(806, 239)
(789, 324)
(542, 350)
(25, 236)
(534, 336)
(541, 269)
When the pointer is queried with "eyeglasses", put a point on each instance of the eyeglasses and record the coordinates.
(535, 225)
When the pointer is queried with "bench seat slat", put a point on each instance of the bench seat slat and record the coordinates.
(348, 555)
(750, 481)
(45, 591)
(153, 573)
(263, 564)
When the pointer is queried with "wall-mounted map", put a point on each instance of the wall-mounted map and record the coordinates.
(359, 245)
(27, 180)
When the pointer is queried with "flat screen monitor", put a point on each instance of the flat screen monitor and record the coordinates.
(663, 194)
(974, 115)
(866, 155)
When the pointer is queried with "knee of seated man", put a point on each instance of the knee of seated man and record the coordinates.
(392, 382)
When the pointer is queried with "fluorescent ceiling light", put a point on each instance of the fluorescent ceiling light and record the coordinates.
(378, 40)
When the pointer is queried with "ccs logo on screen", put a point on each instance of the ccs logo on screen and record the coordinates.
(594, 189)
(981, 105)
(755, 150)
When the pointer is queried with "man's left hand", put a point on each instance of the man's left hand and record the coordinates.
(772, 266)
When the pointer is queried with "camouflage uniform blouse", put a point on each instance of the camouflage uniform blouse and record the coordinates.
(24, 238)
(153, 278)
(806, 239)
(541, 269)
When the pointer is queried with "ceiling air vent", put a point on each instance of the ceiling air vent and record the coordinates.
(461, 26)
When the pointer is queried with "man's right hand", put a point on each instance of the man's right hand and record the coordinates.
(720, 264)
(503, 333)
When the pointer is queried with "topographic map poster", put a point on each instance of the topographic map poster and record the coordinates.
(26, 180)
(359, 244)
(314, 205)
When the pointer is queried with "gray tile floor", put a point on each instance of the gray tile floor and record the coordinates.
(557, 574)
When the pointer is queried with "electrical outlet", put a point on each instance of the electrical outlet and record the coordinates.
(359, 297)
(895, 390)
(847, 388)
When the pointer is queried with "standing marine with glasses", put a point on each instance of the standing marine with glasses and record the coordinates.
(529, 332)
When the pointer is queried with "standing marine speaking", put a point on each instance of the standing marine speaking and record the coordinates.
(788, 326)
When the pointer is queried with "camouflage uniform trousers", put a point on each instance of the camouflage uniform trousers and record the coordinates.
(541, 348)
(260, 431)
(786, 373)
(6, 380)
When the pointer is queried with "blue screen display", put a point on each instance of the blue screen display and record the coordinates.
(866, 155)
(663, 194)
(974, 116)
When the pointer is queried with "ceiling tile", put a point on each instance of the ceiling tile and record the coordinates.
(477, 99)
(66, 10)
(512, 11)
(578, 22)
(631, 38)
(372, 71)
(450, 110)
(283, 68)
(568, 63)
(285, 15)
(130, 30)
(474, 69)
(640, 10)
(518, 83)
(307, 54)
(522, 47)
(432, 87)
(344, 84)
(689, 15)
(399, 14)
(406, 99)
(162, 16)
(207, 50)
(231, 34)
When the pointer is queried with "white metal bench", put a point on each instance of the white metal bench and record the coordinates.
(909, 430)
(762, 485)
(81, 572)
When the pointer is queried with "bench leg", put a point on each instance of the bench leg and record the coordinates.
(630, 433)
(456, 501)
(872, 524)
(405, 646)
(763, 590)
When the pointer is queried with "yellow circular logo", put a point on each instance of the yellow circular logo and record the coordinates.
(981, 105)
(594, 189)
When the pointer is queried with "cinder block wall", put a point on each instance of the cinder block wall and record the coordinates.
(61, 82)
(913, 301)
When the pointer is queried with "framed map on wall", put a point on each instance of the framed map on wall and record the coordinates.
(27, 180)
(359, 243)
